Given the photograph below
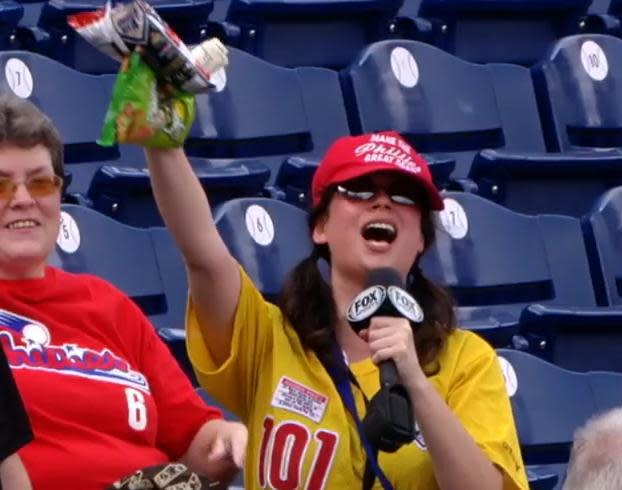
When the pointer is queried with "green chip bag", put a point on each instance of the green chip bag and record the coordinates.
(144, 112)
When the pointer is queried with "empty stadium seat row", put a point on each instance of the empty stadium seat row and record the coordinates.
(329, 33)
(484, 127)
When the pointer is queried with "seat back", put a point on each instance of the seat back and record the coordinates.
(557, 183)
(439, 102)
(267, 237)
(578, 86)
(144, 264)
(125, 194)
(282, 112)
(310, 32)
(549, 403)
(11, 12)
(497, 261)
(603, 234)
(520, 30)
(63, 95)
(92, 243)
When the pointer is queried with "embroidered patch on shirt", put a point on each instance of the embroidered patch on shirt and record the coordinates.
(295, 397)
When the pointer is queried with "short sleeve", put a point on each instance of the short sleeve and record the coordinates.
(181, 411)
(234, 382)
(478, 397)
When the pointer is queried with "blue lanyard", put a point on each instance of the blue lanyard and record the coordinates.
(342, 383)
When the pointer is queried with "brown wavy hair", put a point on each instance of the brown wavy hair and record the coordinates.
(308, 304)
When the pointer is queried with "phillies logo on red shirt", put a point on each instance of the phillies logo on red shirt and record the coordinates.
(28, 345)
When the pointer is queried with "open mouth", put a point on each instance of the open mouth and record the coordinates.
(379, 232)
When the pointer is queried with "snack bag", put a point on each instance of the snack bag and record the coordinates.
(119, 30)
(152, 102)
(144, 111)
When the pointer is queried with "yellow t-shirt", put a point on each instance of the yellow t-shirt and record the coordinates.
(302, 436)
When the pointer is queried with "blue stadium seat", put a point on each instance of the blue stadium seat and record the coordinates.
(410, 8)
(110, 250)
(441, 103)
(323, 33)
(75, 102)
(281, 113)
(541, 477)
(510, 31)
(578, 87)
(127, 258)
(294, 180)
(600, 6)
(32, 12)
(611, 6)
(549, 403)
(602, 228)
(559, 183)
(605, 16)
(219, 13)
(53, 37)
(11, 13)
(124, 193)
(268, 238)
(525, 281)
(484, 116)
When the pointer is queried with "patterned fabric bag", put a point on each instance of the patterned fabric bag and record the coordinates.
(172, 476)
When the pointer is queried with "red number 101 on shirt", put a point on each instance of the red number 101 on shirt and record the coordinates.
(282, 453)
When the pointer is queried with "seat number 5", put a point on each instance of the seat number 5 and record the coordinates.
(136, 409)
(282, 452)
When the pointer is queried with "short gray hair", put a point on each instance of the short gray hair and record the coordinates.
(22, 124)
(596, 457)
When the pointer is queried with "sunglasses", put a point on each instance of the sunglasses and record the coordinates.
(365, 190)
(36, 186)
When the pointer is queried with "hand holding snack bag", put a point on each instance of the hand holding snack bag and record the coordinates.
(153, 97)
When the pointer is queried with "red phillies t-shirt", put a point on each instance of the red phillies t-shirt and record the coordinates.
(104, 395)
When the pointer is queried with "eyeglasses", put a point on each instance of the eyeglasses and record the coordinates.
(365, 190)
(36, 186)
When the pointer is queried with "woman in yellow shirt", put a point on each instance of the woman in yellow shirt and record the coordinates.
(373, 202)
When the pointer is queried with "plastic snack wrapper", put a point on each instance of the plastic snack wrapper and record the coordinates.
(118, 30)
(153, 97)
(144, 111)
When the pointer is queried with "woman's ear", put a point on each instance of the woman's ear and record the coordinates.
(319, 231)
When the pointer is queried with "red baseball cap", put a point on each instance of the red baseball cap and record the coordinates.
(350, 157)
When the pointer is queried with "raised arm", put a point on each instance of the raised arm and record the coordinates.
(213, 273)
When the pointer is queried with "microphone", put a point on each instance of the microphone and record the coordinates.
(389, 422)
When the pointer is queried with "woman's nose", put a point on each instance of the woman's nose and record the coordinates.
(21, 196)
(381, 198)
